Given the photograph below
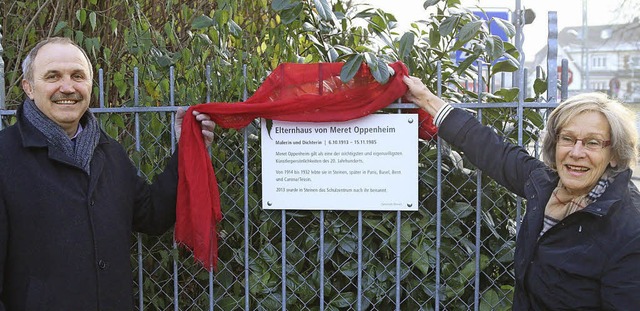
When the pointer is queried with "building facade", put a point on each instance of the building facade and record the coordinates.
(600, 58)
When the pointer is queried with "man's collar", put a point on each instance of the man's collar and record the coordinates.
(78, 131)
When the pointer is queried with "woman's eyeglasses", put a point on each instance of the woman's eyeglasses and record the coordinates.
(591, 143)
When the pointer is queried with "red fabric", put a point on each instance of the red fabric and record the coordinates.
(427, 130)
(292, 92)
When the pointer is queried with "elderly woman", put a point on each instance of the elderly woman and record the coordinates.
(578, 247)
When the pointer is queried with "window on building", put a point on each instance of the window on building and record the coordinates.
(599, 61)
(599, 85)
(633, 61)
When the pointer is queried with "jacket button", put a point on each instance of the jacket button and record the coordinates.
(102, 264)
(92, 203)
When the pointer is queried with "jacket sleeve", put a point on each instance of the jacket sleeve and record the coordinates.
(4, 237)
(155, 204)
(620, 282)
(508, 164)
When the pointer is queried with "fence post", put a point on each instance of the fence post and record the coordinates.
(552, 58)
(2, 98)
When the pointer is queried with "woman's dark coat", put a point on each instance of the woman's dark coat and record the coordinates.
(588, 261)
(65, 236)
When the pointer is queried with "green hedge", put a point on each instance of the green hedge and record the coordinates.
(228, 36)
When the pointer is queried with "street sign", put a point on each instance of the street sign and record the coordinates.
(569, 74)
(487, 15)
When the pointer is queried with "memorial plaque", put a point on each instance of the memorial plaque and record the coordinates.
(370, 163)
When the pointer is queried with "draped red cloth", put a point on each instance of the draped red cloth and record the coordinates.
(292, 92)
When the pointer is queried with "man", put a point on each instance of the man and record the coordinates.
(69, 195)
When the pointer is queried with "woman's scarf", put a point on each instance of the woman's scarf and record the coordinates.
(562, 203)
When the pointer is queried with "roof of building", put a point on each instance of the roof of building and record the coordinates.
(615, 37)
(608, 37)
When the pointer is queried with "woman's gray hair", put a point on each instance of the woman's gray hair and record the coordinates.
(27, 63)
(622, 123)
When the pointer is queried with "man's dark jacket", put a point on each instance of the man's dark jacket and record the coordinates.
(65, 236)
(588, 261)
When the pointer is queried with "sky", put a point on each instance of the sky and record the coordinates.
(599, 12)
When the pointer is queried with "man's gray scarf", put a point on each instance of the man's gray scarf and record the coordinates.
(85, 143)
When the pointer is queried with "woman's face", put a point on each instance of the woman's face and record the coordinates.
(581, 165)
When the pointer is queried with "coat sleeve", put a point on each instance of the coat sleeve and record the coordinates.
(620, 283)
(4, 240)
(508, 164)
(155, 204)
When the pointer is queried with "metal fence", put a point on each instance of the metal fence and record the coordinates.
(455, 253)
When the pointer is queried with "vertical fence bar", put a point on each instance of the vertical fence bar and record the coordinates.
(519, 81)
(564, 80)
(492, 80)
(172, 84)
(398, 258)
(398, 250)
(552, 58)
(359, 299)
(322, 229)
(438, 198)
(2, 95)
(476, 289)
(321, 256)
(3, 105)
(522, 85)
(136, 99)
(525, 76)
(398, 287)
(101, 87)
(518, 22)
(211, 298)
(538, 72)
(208, 77)
(245, 148)
(284, 260)
(246, 220)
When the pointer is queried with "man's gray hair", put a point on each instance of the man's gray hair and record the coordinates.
(27, 63)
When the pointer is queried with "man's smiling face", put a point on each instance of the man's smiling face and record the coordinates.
(61, 86)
